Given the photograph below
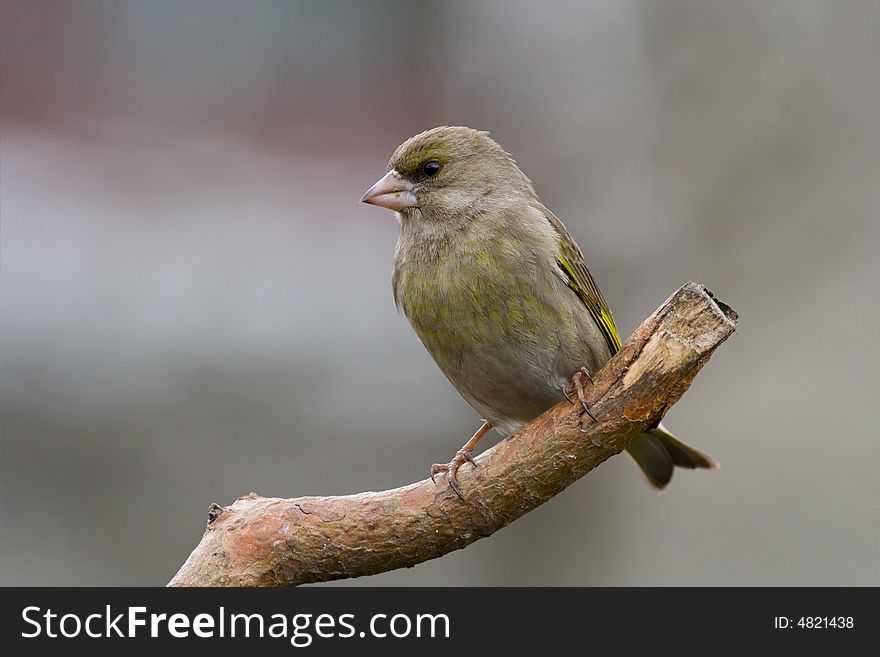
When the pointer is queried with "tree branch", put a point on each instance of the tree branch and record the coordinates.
(284, 542)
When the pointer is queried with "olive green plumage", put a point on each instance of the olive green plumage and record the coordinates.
(498, 291)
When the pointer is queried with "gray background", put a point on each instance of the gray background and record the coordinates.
(195, 306)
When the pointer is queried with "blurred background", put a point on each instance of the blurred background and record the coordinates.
(194, 305)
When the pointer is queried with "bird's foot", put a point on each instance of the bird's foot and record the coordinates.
(576, 387)
(461, 457)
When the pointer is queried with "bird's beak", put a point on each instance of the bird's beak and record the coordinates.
(392, 192)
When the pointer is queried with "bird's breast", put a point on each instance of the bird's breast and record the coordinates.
(483, 315)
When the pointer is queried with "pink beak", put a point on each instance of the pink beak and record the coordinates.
(392, 192)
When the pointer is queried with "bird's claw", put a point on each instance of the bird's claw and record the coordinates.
(588, 412)
(587, 374)
(451, 469)
(454, 486)
(577, 387)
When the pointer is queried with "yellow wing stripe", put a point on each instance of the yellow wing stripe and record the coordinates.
(600, 315)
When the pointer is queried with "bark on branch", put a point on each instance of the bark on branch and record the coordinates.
(284, 542)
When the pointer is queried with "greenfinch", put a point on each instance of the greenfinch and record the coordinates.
(499, 292)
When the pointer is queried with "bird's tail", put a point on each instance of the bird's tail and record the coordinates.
(657, 452)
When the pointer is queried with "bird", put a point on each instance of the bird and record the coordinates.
(499, 293)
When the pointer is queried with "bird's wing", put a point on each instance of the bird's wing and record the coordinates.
(571, 262)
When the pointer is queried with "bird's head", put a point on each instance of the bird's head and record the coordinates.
(448, 173)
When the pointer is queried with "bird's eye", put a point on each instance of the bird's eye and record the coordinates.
(431, 168)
